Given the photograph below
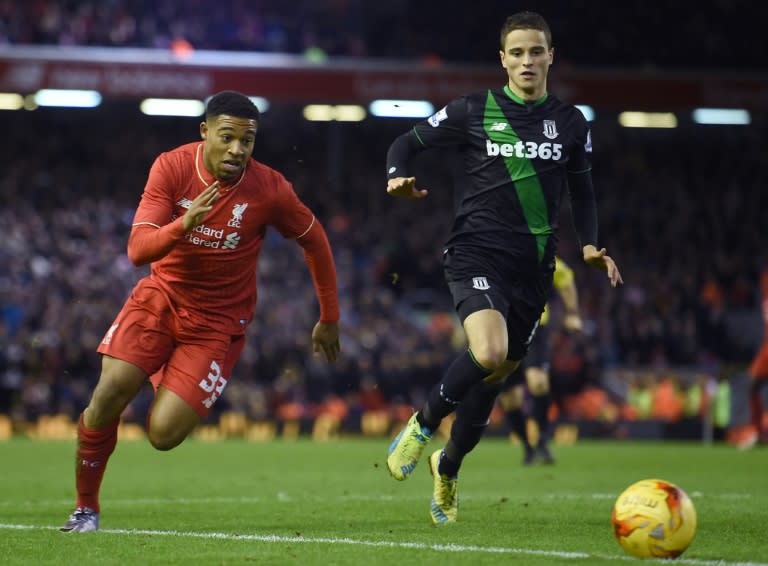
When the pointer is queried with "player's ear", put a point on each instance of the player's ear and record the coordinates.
(203, 130)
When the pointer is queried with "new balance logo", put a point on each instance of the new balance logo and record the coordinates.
(184, 203)
(480, 283)
(499, 126)
(438, 117)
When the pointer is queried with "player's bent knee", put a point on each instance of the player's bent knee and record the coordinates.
(171, 420)
(490, 358)
(496, 378)
(512, 399)
(537, 380)
(167, 433)
(165, 437)
(502, 372)
(164, 442)
(118, 384)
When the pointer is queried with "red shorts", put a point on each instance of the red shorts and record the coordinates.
(759, 367)
(182, 355)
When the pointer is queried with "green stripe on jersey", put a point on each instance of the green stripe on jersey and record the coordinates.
(522, 174)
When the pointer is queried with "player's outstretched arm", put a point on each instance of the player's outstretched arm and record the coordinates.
(325, 340)
(601, 260)
(405, 187)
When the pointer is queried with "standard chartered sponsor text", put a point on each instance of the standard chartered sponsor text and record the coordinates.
(213, 239)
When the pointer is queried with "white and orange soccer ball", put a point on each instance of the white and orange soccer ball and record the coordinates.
(654, 519)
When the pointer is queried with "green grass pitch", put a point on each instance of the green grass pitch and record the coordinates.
(333, 503)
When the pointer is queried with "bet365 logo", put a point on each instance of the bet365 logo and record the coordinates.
(528, 150)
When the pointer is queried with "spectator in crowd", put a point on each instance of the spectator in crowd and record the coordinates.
(56, 299)
(758, 373)
(389, 29)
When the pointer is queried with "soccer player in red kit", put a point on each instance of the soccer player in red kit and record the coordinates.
(758, 372)
(200, 223)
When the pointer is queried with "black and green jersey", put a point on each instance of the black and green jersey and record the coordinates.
(517, 159)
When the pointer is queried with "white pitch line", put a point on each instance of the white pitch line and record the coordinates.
(279, 497)
(282, 497)
(453, 548)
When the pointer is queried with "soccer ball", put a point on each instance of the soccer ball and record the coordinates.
(654, 519)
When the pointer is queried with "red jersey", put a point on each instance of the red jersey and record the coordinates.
(211, 270)
(759, 367)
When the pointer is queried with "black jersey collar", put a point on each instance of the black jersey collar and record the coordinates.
(513, 96)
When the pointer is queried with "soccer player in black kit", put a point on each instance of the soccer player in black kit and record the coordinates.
(522, 148)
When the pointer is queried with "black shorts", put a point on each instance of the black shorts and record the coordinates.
(539, 351)
(479, 281)
(538, 356)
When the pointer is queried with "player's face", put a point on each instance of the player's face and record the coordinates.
(527, 57)
(228, 145)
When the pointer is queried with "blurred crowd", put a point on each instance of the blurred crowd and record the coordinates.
(682, 34)
(678, 211)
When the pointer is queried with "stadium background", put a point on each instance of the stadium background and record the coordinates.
(681, 209)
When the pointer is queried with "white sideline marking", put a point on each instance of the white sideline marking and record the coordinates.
(458, 548)
(283, 497)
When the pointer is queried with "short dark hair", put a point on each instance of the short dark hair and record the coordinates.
(231, 103)
(525, 20)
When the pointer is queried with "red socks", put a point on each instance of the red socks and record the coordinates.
(94, 447)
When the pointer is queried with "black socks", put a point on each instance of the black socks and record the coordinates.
(541, 416)
(516, 420)
(442, 400)
(469, 426)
